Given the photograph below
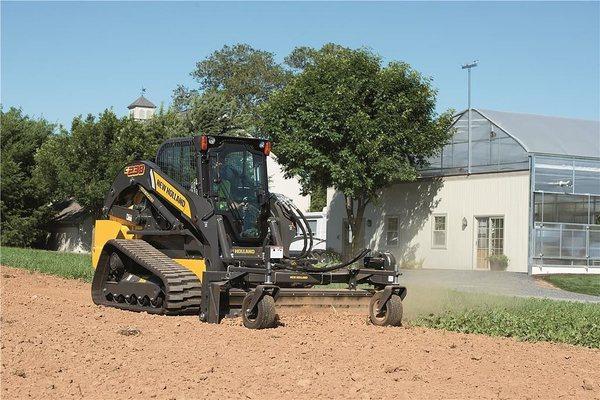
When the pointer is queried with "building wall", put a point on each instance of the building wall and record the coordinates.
(494, 194)
(73, 237)
(141, 112)
(289, 187)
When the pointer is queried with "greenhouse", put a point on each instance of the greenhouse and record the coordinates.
(562, 159)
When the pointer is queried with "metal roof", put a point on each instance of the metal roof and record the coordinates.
(549, 135)
(69, 211)
(141, 102)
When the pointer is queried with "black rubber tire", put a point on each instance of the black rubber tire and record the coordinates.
(390, 315)
(264, 317)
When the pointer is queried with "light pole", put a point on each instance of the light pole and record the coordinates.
(468, 67)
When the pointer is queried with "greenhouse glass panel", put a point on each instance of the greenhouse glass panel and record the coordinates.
(547, 243)
(460, 155)
(595, 210)
(553, 174)
(561, 208)
(573, 241)
(511, 152)
(480, 153)
(594, 246)
(587, 177)
(492, 150)
(481, 129)
(435, 162)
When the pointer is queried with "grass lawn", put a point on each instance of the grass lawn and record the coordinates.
(67, 265)
(586, 284)
(520, 318)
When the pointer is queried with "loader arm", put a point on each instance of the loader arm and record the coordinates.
(156, 208)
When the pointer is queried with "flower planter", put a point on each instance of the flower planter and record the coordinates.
(497, 266)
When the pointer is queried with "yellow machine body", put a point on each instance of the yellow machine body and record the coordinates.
(105, 230)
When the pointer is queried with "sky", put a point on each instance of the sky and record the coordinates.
(60, 60)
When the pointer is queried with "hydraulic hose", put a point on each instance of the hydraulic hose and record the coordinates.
(334, 267)
(299, 219)
(307, 233)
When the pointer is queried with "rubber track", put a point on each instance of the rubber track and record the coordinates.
(182, 287)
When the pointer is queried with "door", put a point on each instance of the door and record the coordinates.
(490, 239)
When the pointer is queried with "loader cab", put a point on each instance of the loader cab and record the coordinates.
(229, 171)
(234, 172)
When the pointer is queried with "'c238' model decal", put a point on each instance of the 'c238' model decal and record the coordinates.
(135, 170)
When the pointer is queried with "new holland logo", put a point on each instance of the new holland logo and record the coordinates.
(173, 196)
(299, 277)
(162, 186)
(242, 250)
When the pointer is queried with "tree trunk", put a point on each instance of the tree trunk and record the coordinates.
(355, 211)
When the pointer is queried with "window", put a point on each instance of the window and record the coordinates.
(177, 159)
(566, 175)
(237, 176)
(312, 224)
(497, 235)
(392, 228)
(561, 208)
(439, 232)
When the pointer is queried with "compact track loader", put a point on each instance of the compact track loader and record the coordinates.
(197, 232)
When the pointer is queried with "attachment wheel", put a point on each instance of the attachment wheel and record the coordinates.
(388, 315)
(263, 316)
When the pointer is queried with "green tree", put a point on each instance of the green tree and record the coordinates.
(242, 74)
(318, 199)
(83, 163)
(23, 207)
(213, 113)
(349, 122)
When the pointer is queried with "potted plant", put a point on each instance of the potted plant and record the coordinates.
(498, 262)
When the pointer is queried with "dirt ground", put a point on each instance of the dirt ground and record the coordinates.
(57, 344)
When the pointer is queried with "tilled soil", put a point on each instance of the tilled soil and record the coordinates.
(57, 344)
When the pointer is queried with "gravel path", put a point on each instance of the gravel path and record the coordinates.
(491, 282)
(56, 344)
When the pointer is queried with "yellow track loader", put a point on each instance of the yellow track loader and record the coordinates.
(198, 232)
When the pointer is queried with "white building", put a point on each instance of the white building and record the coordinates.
(289, 187)
(70, 229)
(141, 109)
(532, 193)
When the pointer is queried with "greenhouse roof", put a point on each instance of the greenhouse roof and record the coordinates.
(549, 135)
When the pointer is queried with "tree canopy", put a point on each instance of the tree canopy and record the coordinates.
(83, 163)
(349, 122)
(242, 73)
(22, 206)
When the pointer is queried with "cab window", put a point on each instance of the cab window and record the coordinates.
(178, 160)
